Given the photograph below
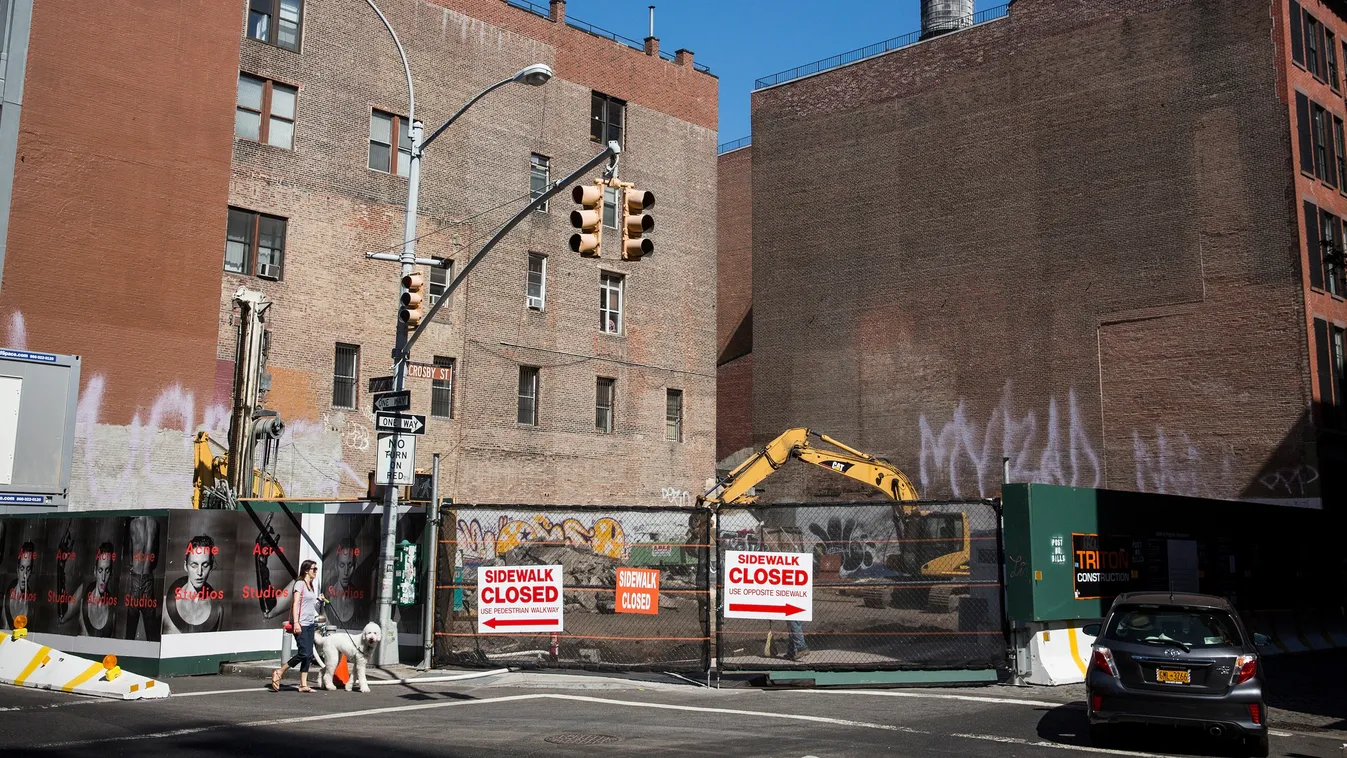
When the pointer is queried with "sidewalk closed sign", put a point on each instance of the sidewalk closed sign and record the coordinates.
(769, 585)
(518, 599)
(637, 590)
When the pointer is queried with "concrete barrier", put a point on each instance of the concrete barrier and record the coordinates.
(1059, 653)
(24, 663)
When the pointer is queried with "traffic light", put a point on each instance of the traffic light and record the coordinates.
(410, 313)
(636, 222)
(589, 219)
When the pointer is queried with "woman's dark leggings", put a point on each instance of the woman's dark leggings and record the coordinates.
(305, 653)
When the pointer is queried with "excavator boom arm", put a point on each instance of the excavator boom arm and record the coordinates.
(849, 462)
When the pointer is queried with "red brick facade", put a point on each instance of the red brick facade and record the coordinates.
(127, 169)
(734, 302)
(119, 193)
(1066, 238)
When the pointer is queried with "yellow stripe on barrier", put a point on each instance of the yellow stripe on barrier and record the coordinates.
(1075, 650)
(88, 674)
(32, 666)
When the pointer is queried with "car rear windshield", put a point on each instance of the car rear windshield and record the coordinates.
(1174, 626)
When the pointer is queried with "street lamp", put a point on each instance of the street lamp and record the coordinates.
(535, 75)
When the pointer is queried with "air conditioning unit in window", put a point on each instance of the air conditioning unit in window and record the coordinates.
(268, 271)
(536, 303)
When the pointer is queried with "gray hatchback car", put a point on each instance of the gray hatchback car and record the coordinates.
(1179, 660)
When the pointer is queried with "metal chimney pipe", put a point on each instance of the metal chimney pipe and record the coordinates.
(652, 21)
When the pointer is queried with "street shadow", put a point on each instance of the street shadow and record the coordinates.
(283, 740)
(1067, 725)
(1308, 683)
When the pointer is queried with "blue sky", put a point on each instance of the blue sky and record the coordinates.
(742, 40)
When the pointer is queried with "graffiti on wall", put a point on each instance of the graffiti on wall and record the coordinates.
(479, 541)
(148, 462)
(1053, 448)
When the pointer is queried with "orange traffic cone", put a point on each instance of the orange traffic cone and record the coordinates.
(342, 674)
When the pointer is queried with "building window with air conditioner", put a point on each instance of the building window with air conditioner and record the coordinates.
(255, 244)
(537, 281)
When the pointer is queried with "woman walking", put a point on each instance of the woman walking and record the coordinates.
(303, 619)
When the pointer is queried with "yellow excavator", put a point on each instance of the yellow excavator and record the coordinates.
(210, 477)
(936, 544)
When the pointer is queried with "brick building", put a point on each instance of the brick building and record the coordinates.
(261, 144)
(1070, 235)
(734, 303)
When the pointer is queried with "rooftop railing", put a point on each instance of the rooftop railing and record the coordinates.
(725, 147)
(869, 51)
(597, 31)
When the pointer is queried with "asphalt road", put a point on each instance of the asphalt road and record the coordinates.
(520, 715)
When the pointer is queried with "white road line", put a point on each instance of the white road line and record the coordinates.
(1055, 745)
(937, 696)
(441, 678)
(583, 699)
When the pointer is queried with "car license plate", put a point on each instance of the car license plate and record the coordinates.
(1170, 676)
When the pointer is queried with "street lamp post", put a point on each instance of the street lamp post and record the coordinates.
(535, 75)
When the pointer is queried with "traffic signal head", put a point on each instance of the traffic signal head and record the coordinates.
(636, 223)
(588, 219)
(411, 312)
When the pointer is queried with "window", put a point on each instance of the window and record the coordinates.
(439, 280)
(605, 118)
(1319, 120)
(1297, 30)
(442, 390)
(603, 404)
(1313, 44)
(540, 171)
(386, 130)
(276, 22)
(345, 373)
(1341, 169)
(1330, 232)
(265, 112)
(610, 303)
(528, 395)
(610, 207)
(1161, 625)
(673, 415)
(1329, 347)
(254, 243)
(536, 295)
(1331, 57)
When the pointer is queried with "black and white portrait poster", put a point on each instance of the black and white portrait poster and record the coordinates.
(228, 570)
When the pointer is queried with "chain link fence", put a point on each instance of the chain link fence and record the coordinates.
(895, 586)
(591, 544)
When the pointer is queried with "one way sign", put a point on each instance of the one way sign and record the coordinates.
(398, 422)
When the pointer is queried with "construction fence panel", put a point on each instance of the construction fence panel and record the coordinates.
(895, 586)
(591, 544)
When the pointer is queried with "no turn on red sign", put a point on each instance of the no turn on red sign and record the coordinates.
(518, 599)
(769, 585)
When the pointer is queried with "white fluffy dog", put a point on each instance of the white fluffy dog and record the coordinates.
(329, 647)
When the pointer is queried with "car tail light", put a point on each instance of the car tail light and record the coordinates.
(1103, 660)
(1245, 667)
(1256, 713)
(1097, 702)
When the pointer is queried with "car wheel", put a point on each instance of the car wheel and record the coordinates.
(1102, 735)
(1256, 747)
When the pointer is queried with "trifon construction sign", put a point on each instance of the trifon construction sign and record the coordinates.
(1102, 565)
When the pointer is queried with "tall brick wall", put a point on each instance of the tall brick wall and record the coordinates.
(119, 198)
(473, 178)
(734, 302)
(1067, 238)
